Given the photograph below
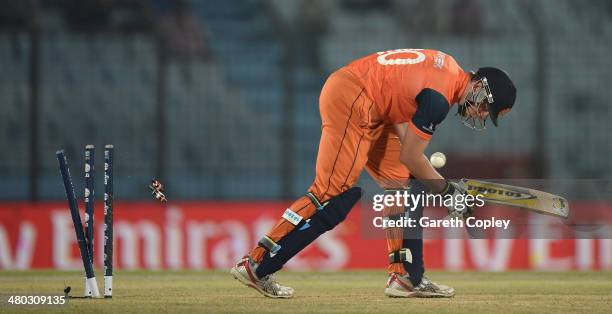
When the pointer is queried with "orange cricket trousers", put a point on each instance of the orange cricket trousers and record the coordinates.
(353, 137)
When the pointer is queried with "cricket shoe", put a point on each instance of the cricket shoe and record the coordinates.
(244, 272)
(399, 286)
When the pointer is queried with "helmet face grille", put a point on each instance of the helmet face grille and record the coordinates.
(476, 99)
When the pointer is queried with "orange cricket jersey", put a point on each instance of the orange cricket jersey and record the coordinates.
(394, 78)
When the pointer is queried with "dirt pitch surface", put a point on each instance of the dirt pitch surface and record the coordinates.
(339, 292)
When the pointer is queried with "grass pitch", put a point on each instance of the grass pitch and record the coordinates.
(339, 292)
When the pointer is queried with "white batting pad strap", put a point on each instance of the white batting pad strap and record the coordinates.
(399, 256)
(292, 217)
(408, 255)
(108, 286)
(92, 285)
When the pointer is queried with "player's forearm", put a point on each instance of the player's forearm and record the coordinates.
(420, 168)
(400, 129)
(412, 156)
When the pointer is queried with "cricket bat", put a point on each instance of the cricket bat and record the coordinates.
(534, 200)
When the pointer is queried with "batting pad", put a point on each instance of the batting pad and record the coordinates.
(322, 221)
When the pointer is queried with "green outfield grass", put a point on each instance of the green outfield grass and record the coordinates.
(361, 291)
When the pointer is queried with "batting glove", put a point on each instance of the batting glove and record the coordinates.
(457, 193)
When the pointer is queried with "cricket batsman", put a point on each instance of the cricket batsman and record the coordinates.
(379, 113)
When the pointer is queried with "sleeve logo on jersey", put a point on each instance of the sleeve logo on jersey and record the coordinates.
(439, 60)
(382, 57)
(431, 128)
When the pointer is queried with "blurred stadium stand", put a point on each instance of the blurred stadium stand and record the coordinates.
(223, 104)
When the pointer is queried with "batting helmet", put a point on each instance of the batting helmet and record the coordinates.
(501, 88)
